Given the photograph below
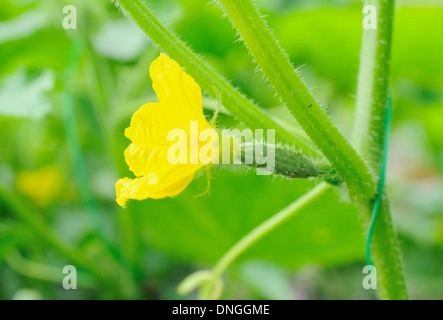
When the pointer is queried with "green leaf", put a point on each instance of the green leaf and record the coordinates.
(23, 98)
(269, 280)
(22, 26)
(202, 230)
(119, 40)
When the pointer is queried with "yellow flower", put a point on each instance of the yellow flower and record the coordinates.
(42, 185)
(149, 155)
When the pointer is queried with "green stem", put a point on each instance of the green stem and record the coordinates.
(372, 95)
(105, 109)
(373, 85)
(381, 184)
(203, 73)
(308, 148)
(108, 273)
(129, 236)
(42, 271)
(75, 149)
(288, 85)
(262, 230)
(39, 226)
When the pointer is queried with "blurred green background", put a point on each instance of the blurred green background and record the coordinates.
(62, 142)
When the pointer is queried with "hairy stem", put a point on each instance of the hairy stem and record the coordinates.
(237, 104)
(372, 96)
(291, 90)
(373, 84)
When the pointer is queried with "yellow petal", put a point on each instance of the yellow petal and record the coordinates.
(148, 132)
(42, 185)
(151, 187)
(173, 86)
(180, 103)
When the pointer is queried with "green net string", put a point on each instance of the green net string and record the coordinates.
(379, 196)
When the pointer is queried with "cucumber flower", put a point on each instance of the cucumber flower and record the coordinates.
(152, 155)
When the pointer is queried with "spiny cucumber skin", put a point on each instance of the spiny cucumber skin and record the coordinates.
(288, 162)
(293, 164)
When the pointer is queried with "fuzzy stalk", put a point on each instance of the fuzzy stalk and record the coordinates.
(369, 136)
(260, 232)
(285, 80)
(236, 103)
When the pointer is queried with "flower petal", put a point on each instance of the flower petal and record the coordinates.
(151, 187)
(148, 132)
(180, 104)
(174, 86)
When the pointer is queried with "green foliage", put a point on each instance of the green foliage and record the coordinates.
(314, 233)
(317, 254)
(293, 93)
